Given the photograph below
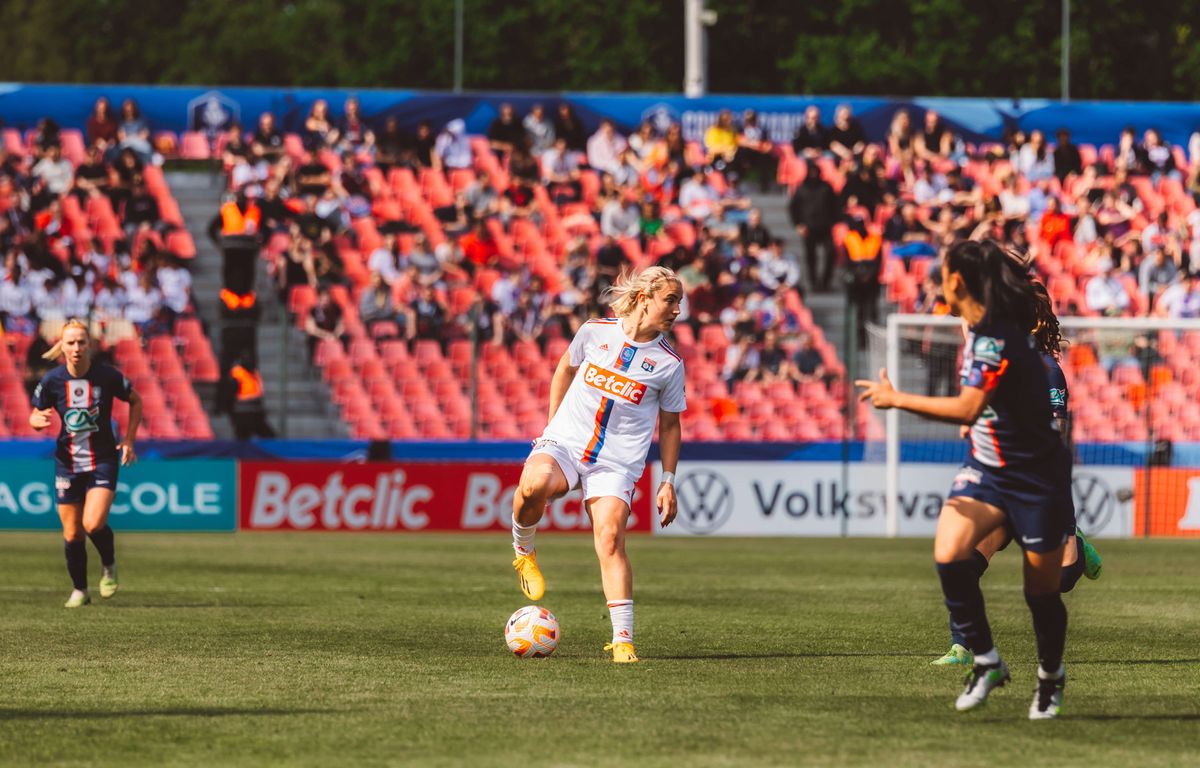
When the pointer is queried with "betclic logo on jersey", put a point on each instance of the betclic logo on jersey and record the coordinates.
(614, 384)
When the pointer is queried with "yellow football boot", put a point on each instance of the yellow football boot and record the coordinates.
(532, 583)
(622, 653)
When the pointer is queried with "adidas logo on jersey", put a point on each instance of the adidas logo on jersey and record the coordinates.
(603, 347)
(614, 384)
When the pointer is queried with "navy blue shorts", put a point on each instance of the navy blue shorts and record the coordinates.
(1036, 499)
(72, 487)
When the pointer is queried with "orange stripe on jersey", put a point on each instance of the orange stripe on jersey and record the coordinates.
(597, 442)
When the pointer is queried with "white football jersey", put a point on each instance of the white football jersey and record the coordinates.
(608, 415)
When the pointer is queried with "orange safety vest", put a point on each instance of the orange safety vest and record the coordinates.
(234, 222)
(235, 302)
(250, 385)
(859, 248)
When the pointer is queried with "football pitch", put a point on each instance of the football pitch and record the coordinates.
(362, 650)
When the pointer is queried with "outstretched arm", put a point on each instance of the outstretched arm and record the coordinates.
(962, 409)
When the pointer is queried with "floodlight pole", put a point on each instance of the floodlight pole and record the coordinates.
(694, 74)
(458, 46)
(1066, 50)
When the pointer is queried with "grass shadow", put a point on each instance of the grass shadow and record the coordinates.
(41, 714)
(783, 655)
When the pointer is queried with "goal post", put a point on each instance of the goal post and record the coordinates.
(1135, 417)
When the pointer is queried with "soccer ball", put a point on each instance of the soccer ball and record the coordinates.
(532, 632)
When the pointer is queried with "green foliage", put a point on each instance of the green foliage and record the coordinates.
(1119, 50)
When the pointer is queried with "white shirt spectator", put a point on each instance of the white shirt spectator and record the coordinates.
(1106, 294)
(176, 286)
(604, 149)
(619, 220)
(1014, 205)
(453, 146)
(776, 269)
(540, 133)
(15, 297)
(697, 199)
(383, 261)
(1180, 299)
(141, 304)
(110, 302)
(559, 165)
(57, 174)
(72, 299)
(1026, 162)
(505, 292)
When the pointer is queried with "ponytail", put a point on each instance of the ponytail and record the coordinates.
(622, 295)
(55, 351)
(1045, 330)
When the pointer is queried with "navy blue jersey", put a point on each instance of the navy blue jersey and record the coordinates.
(1059, 398)
(84, 405)
(1015, 426)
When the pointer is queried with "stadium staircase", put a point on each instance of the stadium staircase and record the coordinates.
(306, 412)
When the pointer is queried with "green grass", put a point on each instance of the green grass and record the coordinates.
(330, 650)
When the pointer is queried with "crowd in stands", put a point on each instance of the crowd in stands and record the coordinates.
(594, 204)
(83, 230)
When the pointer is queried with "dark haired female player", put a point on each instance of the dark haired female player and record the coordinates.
(1018, 473)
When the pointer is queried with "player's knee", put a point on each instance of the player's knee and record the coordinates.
(92, 527)
(535, 485)
(609, 541)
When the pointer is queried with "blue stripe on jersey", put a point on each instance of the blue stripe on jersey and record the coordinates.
(590, 456)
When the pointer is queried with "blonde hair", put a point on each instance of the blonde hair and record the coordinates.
(55, 352)
(622, 295)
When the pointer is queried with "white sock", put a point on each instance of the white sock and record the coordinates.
(1044, 675)
(989, 659)
(621, 614)
(78, 592)
(523, 537)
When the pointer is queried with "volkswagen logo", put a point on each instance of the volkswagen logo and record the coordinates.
(1094, 502)
(705, 501)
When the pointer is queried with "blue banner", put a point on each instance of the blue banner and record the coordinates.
(165, 496)
(182, 108)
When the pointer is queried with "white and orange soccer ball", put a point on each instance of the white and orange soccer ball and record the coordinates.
(532, 632)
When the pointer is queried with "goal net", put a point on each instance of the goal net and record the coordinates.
(1134, 421)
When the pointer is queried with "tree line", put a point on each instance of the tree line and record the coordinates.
(982, 48)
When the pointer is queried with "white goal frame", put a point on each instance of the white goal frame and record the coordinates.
(892, 418)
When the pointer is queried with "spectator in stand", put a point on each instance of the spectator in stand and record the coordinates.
(312, 178)
(273, 208)
(54, 172)
(777, 269)
(390, 145)
(866, 184)
(353, 133)
(267, 141)
(325, 323)
(568, 127)
(673, 149)
(376, 308)
(604, 148)
(650, 222)
(385, 260)
(479, 247)
(1115, 217)
(1067, 159)
(1181, 299)
(109, 304)
(1159, 160)
(773, 363)
(175, 282)
(902, 145)
(753, 230)
(643, 142)
(452, 151)
(560, 173)
(144, 305)
(1157, 234)
(1157, 271)
(812, 138)
(1130, 157)
(936, 141)
(16, 299)
(522, 166)
(814, 210)
(755, 153)
(101, 127)
(720, 141)
(619, 217)
(1193, 156)
(319, 131)
(1034, 160)
(847, 139)
(611, 261)
(1086, 229)
(809, 363)
(505, 132)
(427, 314)
(910, 235)
(1106, 294)
(539, 130)
(134, 132)
(1055, 226)
(296, 265)
(423, 143)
